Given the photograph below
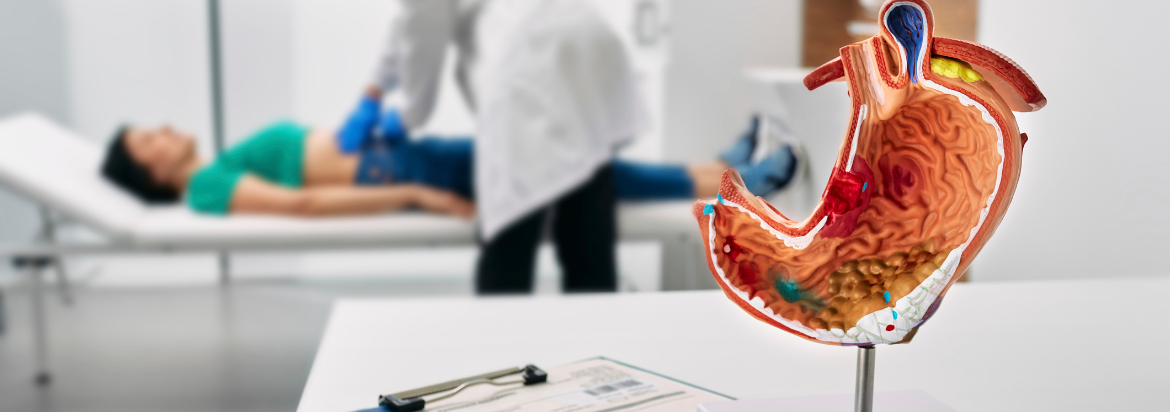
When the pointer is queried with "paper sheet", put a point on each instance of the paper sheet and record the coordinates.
(595, 385)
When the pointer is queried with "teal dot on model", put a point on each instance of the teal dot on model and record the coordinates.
(791, 292)
(788, 289)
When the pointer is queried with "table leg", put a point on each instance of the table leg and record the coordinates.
(40, 334)
(3, 315)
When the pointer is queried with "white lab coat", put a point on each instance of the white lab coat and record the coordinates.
(553, 90)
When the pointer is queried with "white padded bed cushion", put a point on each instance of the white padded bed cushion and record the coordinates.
(60, 169)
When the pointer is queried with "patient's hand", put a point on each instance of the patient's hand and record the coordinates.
(444, 202)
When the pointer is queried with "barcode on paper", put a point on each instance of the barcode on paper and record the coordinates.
(610, 387)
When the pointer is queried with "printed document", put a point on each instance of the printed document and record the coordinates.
(595, 385)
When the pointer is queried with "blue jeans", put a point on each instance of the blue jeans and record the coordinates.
(447, 163)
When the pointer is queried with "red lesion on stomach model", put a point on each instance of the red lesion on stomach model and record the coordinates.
(936, 165)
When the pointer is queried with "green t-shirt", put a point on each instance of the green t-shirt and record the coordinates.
(275, 154)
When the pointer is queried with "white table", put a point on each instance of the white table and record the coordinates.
(1026, 346)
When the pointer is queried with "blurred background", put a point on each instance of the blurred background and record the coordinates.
(1090, 204)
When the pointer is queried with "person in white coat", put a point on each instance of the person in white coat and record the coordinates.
(554, 96)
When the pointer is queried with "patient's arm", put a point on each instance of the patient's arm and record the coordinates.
(254, 195)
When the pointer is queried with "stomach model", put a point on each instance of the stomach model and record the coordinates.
(925, 173)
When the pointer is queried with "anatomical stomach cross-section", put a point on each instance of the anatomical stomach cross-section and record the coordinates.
(925, 173)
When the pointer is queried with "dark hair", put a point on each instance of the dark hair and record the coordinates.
(121, 169)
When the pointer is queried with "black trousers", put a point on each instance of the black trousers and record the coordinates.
(584, 233)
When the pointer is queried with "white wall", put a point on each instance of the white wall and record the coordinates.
(1092, 200)
(33, 76)
(708, 99)
(257, 61)
(335, 45)
(143, 61)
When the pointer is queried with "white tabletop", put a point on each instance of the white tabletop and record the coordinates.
(1027, 346)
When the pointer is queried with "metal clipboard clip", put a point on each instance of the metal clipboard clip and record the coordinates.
(412, 400)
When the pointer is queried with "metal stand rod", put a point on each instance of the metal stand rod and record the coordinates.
(215, 58)
(48, 236)
(3, 315)
(225, 269)
(63, 285)
(863, 402)
(40, 338)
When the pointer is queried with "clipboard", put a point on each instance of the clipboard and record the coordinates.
(591, 385)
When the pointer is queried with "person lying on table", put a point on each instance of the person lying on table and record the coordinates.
(290, 169)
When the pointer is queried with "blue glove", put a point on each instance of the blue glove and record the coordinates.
(391, 128)
(360, 125)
